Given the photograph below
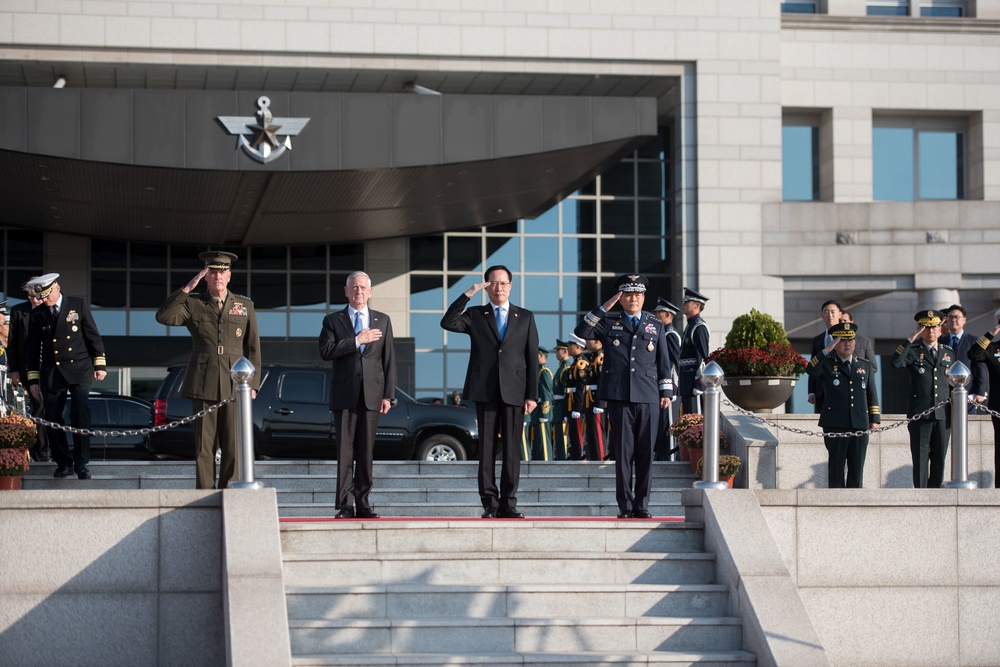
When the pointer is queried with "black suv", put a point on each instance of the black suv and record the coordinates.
(292, 419)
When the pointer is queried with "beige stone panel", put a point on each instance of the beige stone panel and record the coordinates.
(979, 624)
(418, 16)
(906, 96)
(534, 20)
(915, 546)
(526, 43)
(439, 40)
(203, 33)
(463, 18)
(395, 38)
(611, 44)
(307, 36)
(892, 627)
(654, 44)
(740, 174)
(127, 31)
(692, 45)
(798, 93)
(570, 43)
(483, 41)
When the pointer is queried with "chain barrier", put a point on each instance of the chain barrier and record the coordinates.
(117, 434)
(982, 406)
(848, 434)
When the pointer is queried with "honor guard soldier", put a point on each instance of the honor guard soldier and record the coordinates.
(64, 354)
(595, 430)
(850, 404)
(986, 352)
(575, 392)
(223, 328)
(559, 444)
(927, 362)
(541, 416)
(694, 349)
(637, 383)
(666, 312)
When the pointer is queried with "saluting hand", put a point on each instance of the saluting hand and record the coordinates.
(194, 281)
(612, 301)
(366, 336)
(914, 337)
(475, 288)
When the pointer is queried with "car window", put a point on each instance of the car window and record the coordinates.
(303, 387)
(127, 413)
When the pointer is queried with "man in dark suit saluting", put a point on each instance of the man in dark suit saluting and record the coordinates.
(502, 380)
(358, 341)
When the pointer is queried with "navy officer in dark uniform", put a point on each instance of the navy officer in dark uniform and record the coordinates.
(636, 383)
(694, 349)
(928, 362)
(64, 354)
(850, 404)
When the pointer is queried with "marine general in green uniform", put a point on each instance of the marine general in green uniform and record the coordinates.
(927, 362)
(850, 404)
(223, 328)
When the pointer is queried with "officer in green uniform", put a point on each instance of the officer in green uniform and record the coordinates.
(561, 376)
(928, 362)
(541, 416)
(223, 328)
(850, 403)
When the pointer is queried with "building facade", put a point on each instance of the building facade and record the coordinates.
(769, 154)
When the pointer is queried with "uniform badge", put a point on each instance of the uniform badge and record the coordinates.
(650, 347)
(239, 332)
(238, 309)
(616, 343)
(75, 328)
(836, 383)
(864, 385)
(72, 316)
(921, 370)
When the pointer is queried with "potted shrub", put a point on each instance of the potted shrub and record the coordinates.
(760, 364)
(729, 466)
(17, 433)
(682, 424)
(694, 439)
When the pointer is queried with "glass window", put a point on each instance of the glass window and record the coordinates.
(653, 218)
(651, 181)
(457, 341)
(618, 217)
(112, 323)
(618, 255)
(458, 284)
(427, 252)
(148, 289)
(430, 368)
(269, 290)
(269, 258)
(427, 293)
(548, 331)
(308, 257)
(546, 223)
(798, 8)
(506, 251)
(107, 289)
(541, 293)
(185, 257)
(619, 180)
(656, 148)
(425, 328)
(915, 159)
(579, 255)
(800, 163)
(347, 257)
(143, 323)
(943, 8)
(127, 414)
(305, 324)
(337, 283)
(274, 324)
(303, 387)
(464, 253)
(108, 254)
(25, 248)
(579, 216)
(888, 8)
(541, 253)
(148, 256)
(308, 290)
(653, 256)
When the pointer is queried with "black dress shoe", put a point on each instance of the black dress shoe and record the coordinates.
(624, 514)
(366, 513)
(641, 514)
(510, 513)
(63, 471)
(345, 513)
(490, 514)
(83, 473)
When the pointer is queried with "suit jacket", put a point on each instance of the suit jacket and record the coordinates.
(17, 339)
(636, 362)
(928, 380)
(986, 354)
(850, 400)
(68, 344)
(510, 365)
(218, 339)
(373, 372)
(980, 382)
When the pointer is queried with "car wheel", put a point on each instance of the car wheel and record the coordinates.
(440, 448)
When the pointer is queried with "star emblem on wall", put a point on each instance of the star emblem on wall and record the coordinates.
(263, 128)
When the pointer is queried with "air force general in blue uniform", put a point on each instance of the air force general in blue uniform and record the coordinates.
(636, 383)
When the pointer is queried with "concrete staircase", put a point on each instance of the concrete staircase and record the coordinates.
(402, 488)
(496, 592)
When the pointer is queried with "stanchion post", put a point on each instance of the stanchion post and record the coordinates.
(712, 376)
(242, 372)
(958, 377)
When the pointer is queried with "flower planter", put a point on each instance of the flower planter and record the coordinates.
(758, 394)
(10, 483)
(696, 455)
(685, 453)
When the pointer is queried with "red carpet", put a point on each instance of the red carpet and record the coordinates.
(306, 519)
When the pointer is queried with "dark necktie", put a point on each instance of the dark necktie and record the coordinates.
(55, 311)
(953, 341)
(635, 322)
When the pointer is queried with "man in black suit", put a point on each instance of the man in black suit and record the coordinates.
(63, 354)
(358, 340)
(17, 339)
(637, 383)
(502, 379)
(850, 404)
(963, 343)
(830, 312)
(986, 353)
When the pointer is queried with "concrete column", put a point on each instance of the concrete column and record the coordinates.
(937, 298)
(387, 262)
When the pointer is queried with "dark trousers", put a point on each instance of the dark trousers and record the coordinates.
(691, 404)
(40, 451)
(355, 444)
(928, 440)
(595, 434)
(633, 436)
(495, 416)
(54, 398)
(214, 431)
(849, 451)
(996, 451)
(560, 430)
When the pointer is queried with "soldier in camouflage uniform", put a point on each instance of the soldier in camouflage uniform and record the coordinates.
(223, 328)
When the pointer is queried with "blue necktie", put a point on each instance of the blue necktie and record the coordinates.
(358, 327)
(501, 325)
(635, 322)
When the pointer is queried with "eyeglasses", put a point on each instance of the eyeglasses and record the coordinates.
(498, 284)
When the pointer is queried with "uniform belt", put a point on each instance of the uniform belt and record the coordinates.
(559, 398)
(592, 387)
(219, 349)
